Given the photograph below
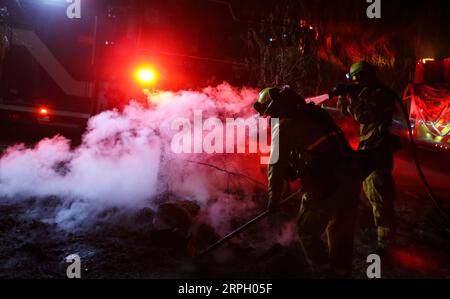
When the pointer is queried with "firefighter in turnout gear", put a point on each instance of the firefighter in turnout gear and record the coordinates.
(307, 144)
(373, 106)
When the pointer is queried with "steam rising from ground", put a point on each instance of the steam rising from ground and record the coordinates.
(125, 162)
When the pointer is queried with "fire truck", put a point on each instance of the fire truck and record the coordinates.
(59, 71)
(429, 97)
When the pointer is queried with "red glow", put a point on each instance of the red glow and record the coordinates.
(417, 259)
(43, 111)
(146, 75)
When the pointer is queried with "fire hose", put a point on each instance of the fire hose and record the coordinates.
(245, 226)
(424, 180)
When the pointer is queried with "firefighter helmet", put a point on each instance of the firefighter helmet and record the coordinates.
(359, 68)
(272, 100)
(265, 100)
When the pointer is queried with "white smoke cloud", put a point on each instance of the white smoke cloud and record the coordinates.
(125, 161)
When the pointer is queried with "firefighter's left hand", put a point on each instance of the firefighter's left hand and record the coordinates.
(339, 90)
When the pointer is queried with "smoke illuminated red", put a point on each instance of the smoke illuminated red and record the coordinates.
(418, 259)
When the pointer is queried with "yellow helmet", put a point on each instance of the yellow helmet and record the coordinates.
(272, 99)
(265, 100)
(360, 67)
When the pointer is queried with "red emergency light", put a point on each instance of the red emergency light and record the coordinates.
(43, 111)
(146, 75)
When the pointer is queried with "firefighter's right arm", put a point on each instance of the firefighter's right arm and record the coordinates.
(279, 161)
(373, 106)
(343, 105)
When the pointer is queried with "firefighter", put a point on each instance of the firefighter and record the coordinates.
(307, 144)
(373, 106)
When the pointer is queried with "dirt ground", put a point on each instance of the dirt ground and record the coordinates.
(133, 248)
